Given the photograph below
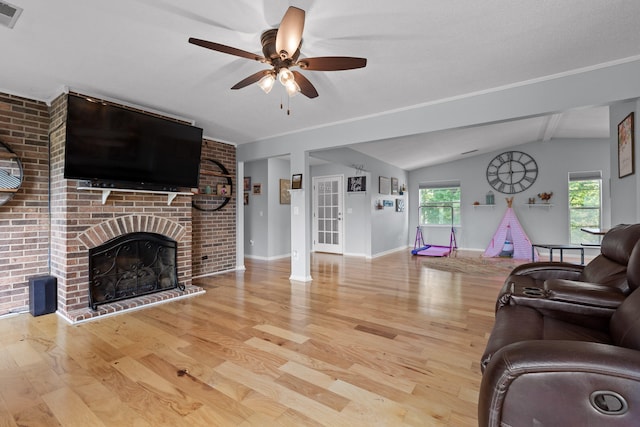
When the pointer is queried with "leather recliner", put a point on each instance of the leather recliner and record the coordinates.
(573, 363)
(542, 370)
(603, 282)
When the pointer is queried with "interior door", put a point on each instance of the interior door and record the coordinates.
(328, 234)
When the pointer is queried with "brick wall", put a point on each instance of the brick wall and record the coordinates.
(214, 237)
(78, 219)
(24, 220)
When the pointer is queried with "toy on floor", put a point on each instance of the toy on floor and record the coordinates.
(421, 248)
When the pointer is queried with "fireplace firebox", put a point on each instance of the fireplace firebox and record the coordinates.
(132, 265)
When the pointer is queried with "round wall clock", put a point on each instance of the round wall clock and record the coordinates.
(512, 172)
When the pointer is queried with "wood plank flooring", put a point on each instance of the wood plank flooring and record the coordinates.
(383, 342)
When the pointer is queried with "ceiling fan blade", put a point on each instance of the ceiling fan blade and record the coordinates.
(306, 88)
(290, 32)
(251, 79)
(226, 49)
(332, 63)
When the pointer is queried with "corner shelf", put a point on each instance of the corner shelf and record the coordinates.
(106, 192)
(202, 196)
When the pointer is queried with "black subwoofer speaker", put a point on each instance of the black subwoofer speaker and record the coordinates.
(43, 298)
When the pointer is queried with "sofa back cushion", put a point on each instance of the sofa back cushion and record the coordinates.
(610, 267)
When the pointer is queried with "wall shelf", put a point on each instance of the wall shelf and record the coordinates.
(212, 178)
(483, 206)
(106, 192)
(538, 205)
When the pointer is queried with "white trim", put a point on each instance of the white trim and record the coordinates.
(390, 251)
(362, 255)
(24, 310)
(215, 273)
(272, 258)
(550, 77)
(302, 279)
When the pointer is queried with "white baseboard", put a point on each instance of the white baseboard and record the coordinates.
(262, 258)
(390, 251)
(303, 279)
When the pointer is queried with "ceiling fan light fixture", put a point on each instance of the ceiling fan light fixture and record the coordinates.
(266, 83)
(292, 88)
(285, 76)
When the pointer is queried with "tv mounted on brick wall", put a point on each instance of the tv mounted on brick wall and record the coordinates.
(116, 147)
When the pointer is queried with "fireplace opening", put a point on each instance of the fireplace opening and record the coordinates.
(131, 265)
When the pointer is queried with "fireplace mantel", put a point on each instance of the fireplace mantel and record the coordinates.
(106, 192)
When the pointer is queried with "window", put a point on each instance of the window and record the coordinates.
(437, 201)
(584, 205)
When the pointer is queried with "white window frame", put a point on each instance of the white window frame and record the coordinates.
(584, 176)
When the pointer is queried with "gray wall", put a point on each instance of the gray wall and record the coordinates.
(555, 160)
(256, 213)
(368, 231)
(356, 215)
(624, 191)
(267, 222)
(279, 228)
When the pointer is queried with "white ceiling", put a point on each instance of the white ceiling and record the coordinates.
(418, 51)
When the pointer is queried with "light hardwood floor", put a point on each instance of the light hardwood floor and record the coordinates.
(369, 342)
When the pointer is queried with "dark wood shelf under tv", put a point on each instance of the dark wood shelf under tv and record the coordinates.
(213, 180)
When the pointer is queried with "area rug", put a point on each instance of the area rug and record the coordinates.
(472, 265)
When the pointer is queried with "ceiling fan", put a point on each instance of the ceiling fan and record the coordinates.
(281, 49)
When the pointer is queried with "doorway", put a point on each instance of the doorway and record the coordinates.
(328, 201)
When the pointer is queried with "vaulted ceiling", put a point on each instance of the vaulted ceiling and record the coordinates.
(418, 51)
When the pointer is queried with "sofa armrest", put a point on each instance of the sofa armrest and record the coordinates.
(585, 293)
(549, 270)
(567, 295)
(574, 301)
(553, 383)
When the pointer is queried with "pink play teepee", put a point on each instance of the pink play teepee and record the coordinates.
(510, 239)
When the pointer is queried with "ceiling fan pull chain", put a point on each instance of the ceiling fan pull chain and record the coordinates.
(288, 106)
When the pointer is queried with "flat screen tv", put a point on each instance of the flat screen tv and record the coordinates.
(115, 147)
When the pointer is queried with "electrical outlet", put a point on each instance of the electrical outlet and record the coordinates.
(251, 242)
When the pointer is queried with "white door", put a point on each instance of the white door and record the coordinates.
(328, 196)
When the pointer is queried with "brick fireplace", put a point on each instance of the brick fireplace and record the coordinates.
(49, 225)
(81, 220)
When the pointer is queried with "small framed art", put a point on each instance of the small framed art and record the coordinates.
(285, 196)
(625, 147)
(296, 181)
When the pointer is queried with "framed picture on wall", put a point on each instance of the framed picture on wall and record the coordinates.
(394, 186)
(223, 190)
(384, 185)
(285, 196)
(296, 181)
(625, 147)
(257, 188)
(246, 198)
(356, 184)
(247, 183)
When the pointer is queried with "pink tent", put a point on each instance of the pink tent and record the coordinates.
(521, 244)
